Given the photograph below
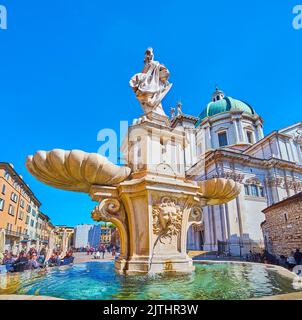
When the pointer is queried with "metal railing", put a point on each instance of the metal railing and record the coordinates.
(9, 232)
(12, 233)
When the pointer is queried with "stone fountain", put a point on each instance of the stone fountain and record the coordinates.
(150, 200)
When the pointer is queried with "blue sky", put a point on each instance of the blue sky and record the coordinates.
(65, 67)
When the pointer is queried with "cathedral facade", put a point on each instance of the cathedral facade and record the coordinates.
(226, 140)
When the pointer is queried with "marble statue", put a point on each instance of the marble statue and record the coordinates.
(151, 85)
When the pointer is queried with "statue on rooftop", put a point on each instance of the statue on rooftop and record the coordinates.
(151, 85)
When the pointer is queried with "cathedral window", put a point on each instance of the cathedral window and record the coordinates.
(222, 138)
(249, 135)
(254, 189)
(247, 189)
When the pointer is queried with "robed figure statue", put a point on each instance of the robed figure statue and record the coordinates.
(151, 85)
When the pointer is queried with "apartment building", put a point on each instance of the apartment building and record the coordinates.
(19, 208)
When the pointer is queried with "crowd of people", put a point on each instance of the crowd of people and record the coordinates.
(100, 251)
(34, 260)
(289, 262)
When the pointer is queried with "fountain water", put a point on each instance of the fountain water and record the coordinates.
(150, 199)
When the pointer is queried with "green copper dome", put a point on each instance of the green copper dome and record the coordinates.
(224, 105)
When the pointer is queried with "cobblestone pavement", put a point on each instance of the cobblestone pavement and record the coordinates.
(80, 257)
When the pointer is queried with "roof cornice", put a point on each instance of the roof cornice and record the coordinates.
(219, 155)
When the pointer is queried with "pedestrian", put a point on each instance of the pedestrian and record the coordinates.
(21, 263)
(91, 251)
(103, 250)
(298, 257)
(282, 261)
(291, 261)
(113, 251)
(97, 255)
(32, 262)
(108, 248)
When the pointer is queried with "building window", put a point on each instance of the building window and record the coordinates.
(250, 138)
(247, 189)
(6, 176)
(3, 189)
(22, 203)
(1, 204)
(28, 209)
(33, 212)
(21, 214)
(254, 189)
(261, 189)
(11, 210)
(14, 197)
(27, 220)
(222, 138)
(32, 222)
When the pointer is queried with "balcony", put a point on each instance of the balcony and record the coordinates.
(12, 233)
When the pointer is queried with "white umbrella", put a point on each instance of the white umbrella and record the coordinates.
(51, 245)
(2, 241)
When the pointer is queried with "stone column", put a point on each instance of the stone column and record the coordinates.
(235, 129)
(259, 130)
(14, 247)
(208, 138)
(240, 130)
(64, 242)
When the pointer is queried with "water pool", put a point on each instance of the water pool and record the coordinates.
(97, 280)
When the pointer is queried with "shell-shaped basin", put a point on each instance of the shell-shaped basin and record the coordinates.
(219, 191)
(75, 170)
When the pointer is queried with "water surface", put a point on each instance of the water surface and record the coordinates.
(97, 280)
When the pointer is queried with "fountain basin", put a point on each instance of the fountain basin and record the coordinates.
(98, 281)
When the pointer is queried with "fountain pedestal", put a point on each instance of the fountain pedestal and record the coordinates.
(154, 209)
(152, 220)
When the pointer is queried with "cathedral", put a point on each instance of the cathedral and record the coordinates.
(226, 140)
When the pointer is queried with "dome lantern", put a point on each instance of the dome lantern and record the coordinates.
(217, 95)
